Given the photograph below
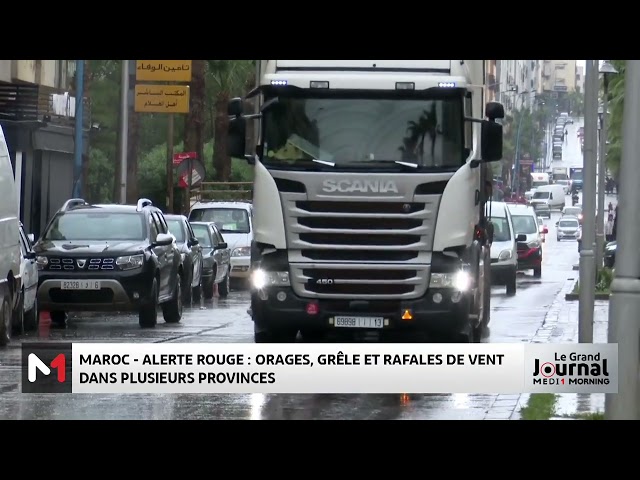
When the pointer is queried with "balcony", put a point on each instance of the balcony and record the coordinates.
(32, 103)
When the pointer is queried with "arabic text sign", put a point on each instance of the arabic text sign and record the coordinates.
(163, 70)
(162, 99)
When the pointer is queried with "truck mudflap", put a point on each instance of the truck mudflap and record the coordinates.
(438, 312)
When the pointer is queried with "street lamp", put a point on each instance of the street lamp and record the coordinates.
(606, 69)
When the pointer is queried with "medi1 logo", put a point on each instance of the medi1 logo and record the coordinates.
(572, 369)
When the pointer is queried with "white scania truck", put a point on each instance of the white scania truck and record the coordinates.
(370, 183)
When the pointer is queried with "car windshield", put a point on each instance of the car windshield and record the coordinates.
(524, 224)
(577, 175)
(97, 226)
(202, 234)
(501, 232)
(176, 229)
(542, 195)
(572, 211)
(228, 220)
(364, 133)
(568, 224)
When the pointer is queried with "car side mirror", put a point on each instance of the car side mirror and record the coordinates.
(557, 223)
(163, 239)
(31, 237)
(236, 137)
(221, 246)
(521, 238)
(30, 255)
(545, 230)
(491, 133)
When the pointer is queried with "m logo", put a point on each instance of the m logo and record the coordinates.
(81, 263)
(47, 367)
(35, 364)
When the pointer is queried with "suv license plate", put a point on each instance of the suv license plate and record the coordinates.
(358, 322)
(80, 285)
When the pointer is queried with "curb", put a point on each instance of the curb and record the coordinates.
(572, 297)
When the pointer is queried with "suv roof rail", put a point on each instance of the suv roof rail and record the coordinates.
(72, 202)
(143, 202)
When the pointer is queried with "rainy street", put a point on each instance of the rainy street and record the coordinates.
(513, 319)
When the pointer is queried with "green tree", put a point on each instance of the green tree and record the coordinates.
(616, 108)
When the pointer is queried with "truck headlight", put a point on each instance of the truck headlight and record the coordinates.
(130, 262)
(505, 255)
(261, 279)
(241, 252)
(42, 262)
(459, 280)
(533, 244)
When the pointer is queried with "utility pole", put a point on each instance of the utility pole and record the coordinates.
(624, 303)
(587, 258)
(124, 129)
(170, 135)
(606, 70)
(79, 120)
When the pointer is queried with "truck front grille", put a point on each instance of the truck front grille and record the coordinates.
(372, 281)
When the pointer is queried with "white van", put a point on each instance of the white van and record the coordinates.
(10, 257)
(504, 251)
(552, 196)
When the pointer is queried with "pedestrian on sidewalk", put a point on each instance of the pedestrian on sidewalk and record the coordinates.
(579, 239)
(608, 229)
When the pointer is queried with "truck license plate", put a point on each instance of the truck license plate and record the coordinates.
(80, 285)
(359, 322)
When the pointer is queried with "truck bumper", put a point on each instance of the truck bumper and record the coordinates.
(427, 314)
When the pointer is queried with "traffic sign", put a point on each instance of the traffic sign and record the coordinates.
(162, 98)
(178, 158)
(197, 173)
(163, 70)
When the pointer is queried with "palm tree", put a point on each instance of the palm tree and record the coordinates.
(427, 124)
(194, 121)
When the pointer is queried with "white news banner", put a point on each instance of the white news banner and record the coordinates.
(344, 368)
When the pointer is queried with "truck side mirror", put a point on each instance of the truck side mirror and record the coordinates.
(236, 137)
(491, 133)
(494, 110)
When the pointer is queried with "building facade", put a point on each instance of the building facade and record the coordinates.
(558, 81)
(579, 79)
(37, 116)
(517, 84)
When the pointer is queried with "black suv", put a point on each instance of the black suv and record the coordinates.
(109, 258)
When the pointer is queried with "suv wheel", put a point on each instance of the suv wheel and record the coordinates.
(187, 293)
(5, 321)
(172, 310)
(32, 318)
(148, 315)
(511, 283)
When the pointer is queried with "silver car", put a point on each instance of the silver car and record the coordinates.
(216, 258)
(567, 228)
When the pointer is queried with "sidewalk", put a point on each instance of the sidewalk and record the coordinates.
(561, 326)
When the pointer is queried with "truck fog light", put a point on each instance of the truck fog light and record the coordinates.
(136, 295)
(263, 295)
(282, 296)
(456, 297)
(437, 297)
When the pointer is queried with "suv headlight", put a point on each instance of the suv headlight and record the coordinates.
(130, 262)
(505, 255)
(42, 262)
(459, 280)
(533, 244)
(241, 252)
(261, 279)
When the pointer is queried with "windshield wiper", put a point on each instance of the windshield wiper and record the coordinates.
(323, 162)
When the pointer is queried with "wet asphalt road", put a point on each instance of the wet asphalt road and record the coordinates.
(513, 319)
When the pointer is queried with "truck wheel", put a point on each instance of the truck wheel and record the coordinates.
(537, 272)
(511, 284)
(172, 310)
(273, 335)
(148, 314)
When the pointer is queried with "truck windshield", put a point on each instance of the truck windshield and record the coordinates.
(364, 133)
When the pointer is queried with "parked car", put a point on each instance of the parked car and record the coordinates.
(216, 256)
(10, 281)
(525, 222)
(28, 316)
(190, 255)
(574, 211)
(610, 254)
(109, 258)
(504, 252)
(235, 221)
